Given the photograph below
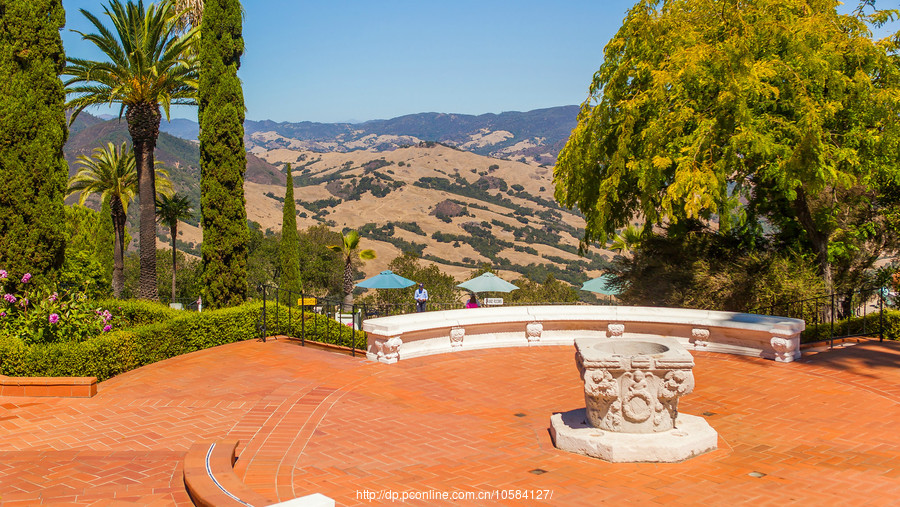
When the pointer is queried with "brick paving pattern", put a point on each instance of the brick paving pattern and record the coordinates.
(820, 431)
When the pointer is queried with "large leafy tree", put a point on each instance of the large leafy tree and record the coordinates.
(33, 131)
(741, 113)
(349, 250)
(147, 65)
(222, 156)
(290, 242)
(170, 209)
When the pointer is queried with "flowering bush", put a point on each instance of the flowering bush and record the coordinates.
(38, 316)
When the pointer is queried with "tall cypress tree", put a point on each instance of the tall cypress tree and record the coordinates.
(290, 243)
(222, 156)
(104, 239)
(33, 131)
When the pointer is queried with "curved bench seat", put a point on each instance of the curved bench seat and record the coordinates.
(420, 334)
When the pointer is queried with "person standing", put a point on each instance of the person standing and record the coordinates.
(473, 301)
(421, 296)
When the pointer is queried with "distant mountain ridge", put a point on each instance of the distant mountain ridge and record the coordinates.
(533, 136)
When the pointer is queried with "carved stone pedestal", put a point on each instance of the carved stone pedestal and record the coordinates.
(631, 392)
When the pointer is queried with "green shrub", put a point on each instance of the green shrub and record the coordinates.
(134, 312)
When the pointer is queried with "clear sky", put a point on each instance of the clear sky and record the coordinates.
(358, 60)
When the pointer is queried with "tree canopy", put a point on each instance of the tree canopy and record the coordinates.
(755, 114)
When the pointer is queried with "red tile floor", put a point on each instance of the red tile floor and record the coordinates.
(823, 431)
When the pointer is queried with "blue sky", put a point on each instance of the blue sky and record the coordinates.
(358, 60)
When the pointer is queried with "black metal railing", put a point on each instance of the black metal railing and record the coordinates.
(305, 318)
(836, 316)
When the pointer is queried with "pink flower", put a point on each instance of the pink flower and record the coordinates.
(54, 318)
(106, 328)
(3, 274)
(23, 302)
(2, 314)
(9, 298)
(53, 297)
(26, 278)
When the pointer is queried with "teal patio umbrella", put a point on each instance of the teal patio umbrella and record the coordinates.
(488, 282)
(386, 280)
(600, 285)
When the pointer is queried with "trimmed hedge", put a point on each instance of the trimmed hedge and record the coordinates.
(119, 351)
(161, 333)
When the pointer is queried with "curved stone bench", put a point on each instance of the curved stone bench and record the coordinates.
(420, 334)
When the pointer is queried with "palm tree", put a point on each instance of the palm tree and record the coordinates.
(190, 12)
(349, 249)
(111, 172)
(149, 65)
(629, 239)
(169, 210)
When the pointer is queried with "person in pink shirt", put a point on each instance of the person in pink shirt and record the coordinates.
(473, 302)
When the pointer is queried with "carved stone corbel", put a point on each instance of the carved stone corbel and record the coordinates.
(699, 338)
(615, 330)
(388, 349)
(533, 331)
(456, 336)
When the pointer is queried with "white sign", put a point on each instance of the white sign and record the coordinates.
(493, 301)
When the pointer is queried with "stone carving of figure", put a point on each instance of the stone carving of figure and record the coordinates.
(601, 393)
(637, 401)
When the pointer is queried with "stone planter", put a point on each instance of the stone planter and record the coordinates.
(631, 392)
(633, 386)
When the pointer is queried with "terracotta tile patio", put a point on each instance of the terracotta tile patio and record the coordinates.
(820, 431)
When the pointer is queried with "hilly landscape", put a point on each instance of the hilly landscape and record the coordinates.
(458, 190)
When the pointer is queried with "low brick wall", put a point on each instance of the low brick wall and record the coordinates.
(63, 387)
(420, 334)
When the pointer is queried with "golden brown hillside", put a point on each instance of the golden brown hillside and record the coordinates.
(504, 212)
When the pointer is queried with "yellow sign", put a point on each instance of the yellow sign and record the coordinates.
(306, 302)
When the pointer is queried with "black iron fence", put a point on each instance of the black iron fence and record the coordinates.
(836, 316)
(305, 318)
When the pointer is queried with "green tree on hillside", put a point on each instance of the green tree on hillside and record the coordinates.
(147, 67)
(290, 243)
(170, 209)
(111, 172)
(765, 111)
(551, 291)
(32, 134)
(222, 156)
(323, 269)
(349, 250)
